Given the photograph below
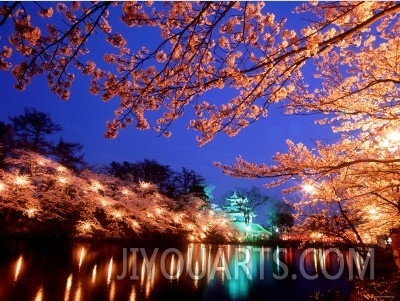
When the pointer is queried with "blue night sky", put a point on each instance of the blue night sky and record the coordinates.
(83, 118)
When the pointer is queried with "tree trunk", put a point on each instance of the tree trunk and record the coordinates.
(396, 248)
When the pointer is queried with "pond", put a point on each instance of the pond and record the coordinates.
(46, 270)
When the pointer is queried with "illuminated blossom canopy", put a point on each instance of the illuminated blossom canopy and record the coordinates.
(37, 193)
(351, 48)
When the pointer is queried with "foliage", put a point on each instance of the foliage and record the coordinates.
(282, 216)
(31, 130)
(169, 182)
(205, 46)
(40, 196)
(67, 154)
(6, 141)
(367, 289)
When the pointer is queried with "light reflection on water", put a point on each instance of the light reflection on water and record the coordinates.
(84, 271)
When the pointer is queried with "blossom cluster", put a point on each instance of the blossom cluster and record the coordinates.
(39, 190)
(202, 46)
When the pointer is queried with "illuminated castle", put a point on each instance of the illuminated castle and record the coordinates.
(242, 215)
(237, 209)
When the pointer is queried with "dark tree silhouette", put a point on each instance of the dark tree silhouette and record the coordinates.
(68, 154)
(31, 130)
(146, 171)
(171, 183)
(186, 182)
(282, 216)
(6, 141)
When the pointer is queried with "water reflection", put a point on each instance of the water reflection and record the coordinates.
(39, 294)
(18, 268)
(196, 271)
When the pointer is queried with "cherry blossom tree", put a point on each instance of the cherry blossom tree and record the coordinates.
(41, 196)
(354, 183)
(351, 48)
(205, 46)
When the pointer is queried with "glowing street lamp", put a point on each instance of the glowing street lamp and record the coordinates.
(393, 136)
(21, 180)
(31, 212)
(308, 188)
(117, 215)
(391, 140)
(62, 180)
(61, 168)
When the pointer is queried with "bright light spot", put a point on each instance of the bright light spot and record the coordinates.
(190, 227)
(104, 203)
(81, 256)
(109, 272)
(135, 224)
(2, 186)
(132, 297)
(125, 191)
(211, 212)
(178, 218)
(112, 292)
(316, 235)
(40, 162)
(84, 227)
(96, 186)
(68, 288)
(144, 185)
(94, 272)
(393, 136)
(391, 140)
(61, 168)
(62, 180)
(78, 292)
(31, 212)
(308, 188)
(117, 214)
(191, 237)
(18, 268)
(171, 268)
(39, 294)
(21, 180)
(159, 211)
(374, 214)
